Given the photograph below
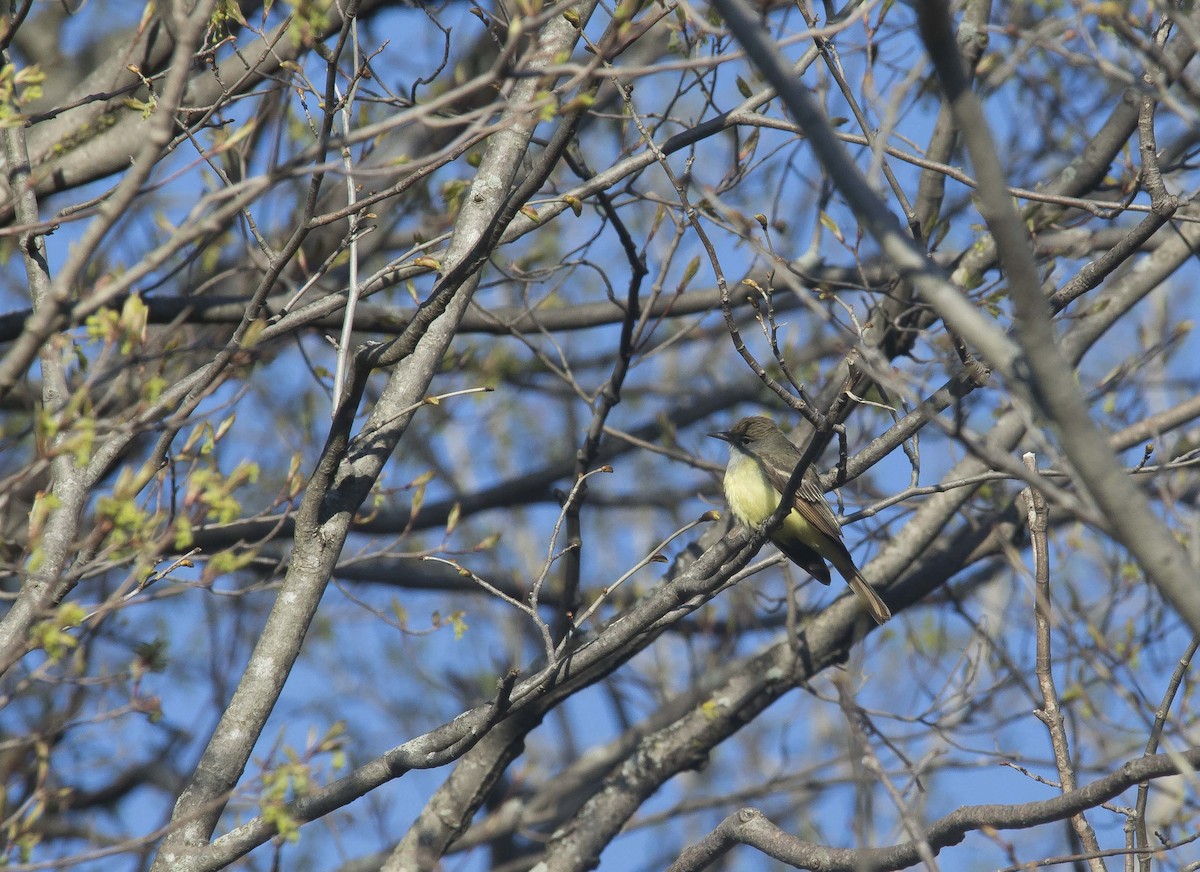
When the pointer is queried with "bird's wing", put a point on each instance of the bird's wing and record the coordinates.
(806, 558)
(809, 501)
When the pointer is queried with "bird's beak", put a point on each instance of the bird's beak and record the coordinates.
(723, 435)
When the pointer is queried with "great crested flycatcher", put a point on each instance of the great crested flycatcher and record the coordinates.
(761, 460)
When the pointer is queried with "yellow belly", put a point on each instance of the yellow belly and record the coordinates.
(748, 491)
(752, 499)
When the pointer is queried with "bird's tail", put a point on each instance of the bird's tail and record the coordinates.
(877, 607)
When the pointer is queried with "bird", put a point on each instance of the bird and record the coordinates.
(761, 460)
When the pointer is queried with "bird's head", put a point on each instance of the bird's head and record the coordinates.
(748, 432)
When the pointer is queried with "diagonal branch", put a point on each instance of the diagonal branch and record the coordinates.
(749, 826)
